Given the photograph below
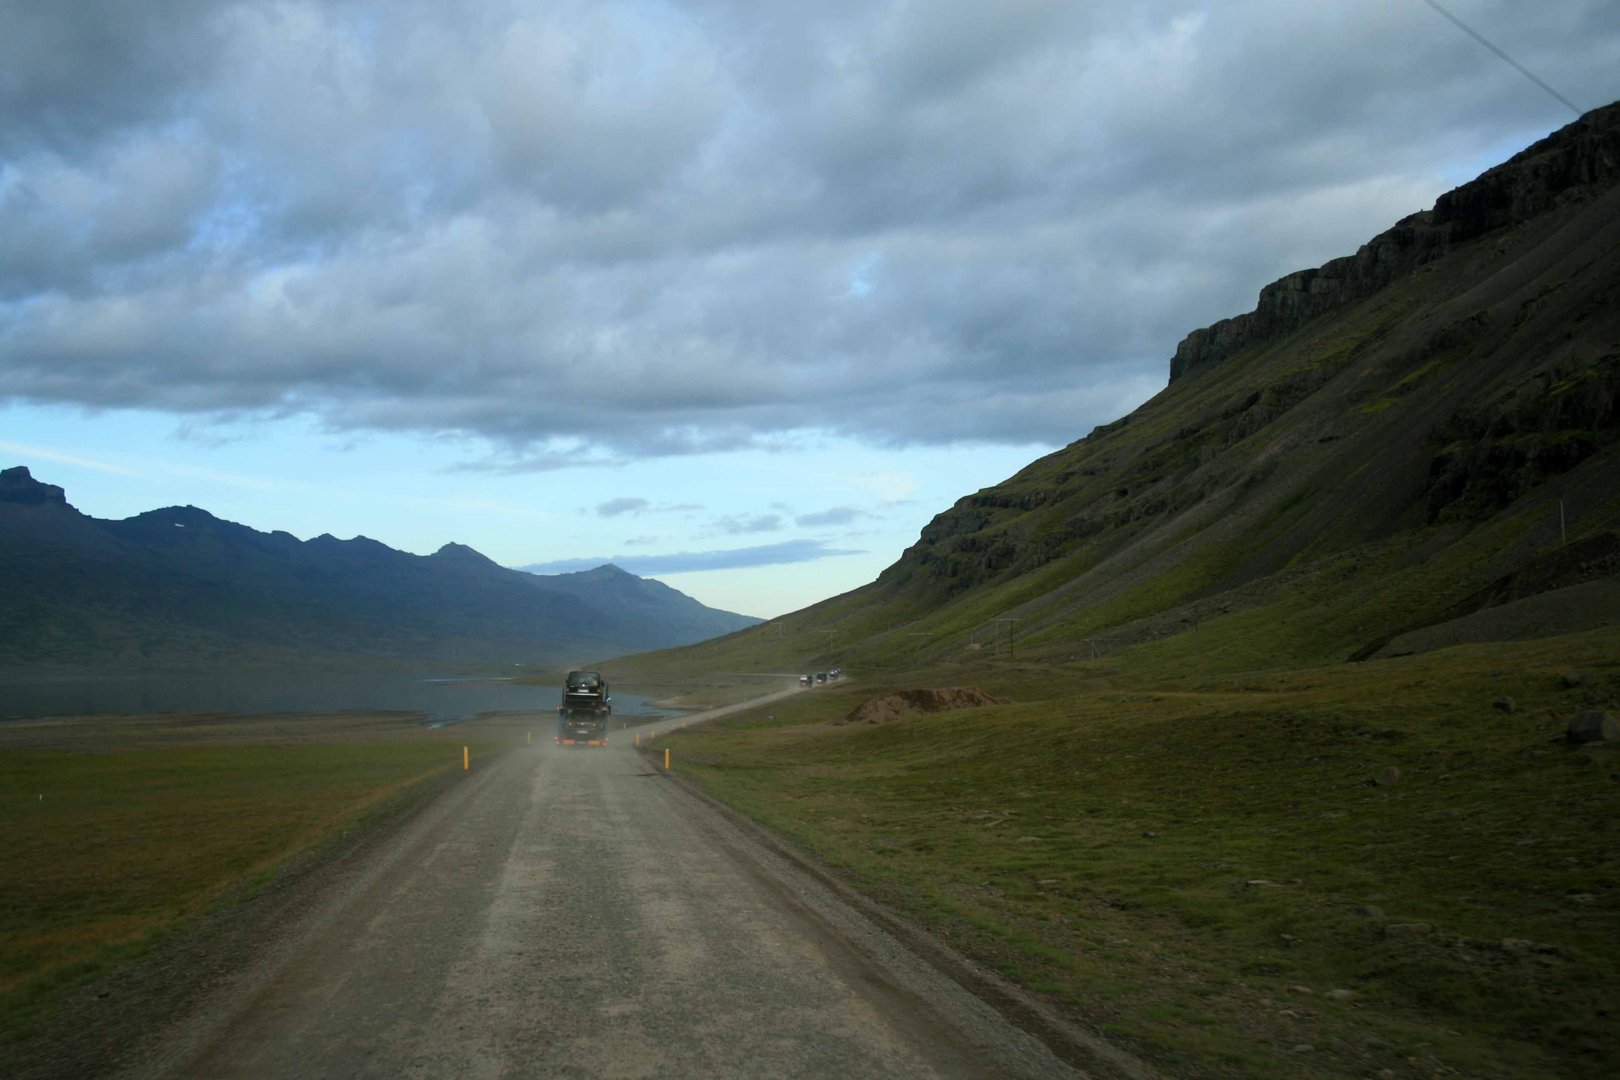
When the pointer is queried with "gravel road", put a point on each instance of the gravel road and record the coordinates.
(574, 912)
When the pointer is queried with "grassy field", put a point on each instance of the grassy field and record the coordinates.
(114, 831)
(1334, 871)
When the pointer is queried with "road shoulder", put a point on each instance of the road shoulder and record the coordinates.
(797, 875)
(118, 1020)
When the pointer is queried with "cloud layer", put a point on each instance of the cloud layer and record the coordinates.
(592, 232)
(685, 562)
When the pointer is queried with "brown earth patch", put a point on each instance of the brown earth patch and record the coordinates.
(901, 703)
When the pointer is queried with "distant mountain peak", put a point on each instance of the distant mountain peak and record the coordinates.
(363, 546)
(180, 515)
(454, 552)
(17, 485)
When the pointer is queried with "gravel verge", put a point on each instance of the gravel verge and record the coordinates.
(112, 1021)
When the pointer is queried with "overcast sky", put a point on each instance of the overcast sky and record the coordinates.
(738, 294)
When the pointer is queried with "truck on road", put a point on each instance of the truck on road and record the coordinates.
(583, 714)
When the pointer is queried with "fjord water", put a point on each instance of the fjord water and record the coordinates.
(440, 699)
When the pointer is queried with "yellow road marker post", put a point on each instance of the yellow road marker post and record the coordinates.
(666, 759)
(466, 759)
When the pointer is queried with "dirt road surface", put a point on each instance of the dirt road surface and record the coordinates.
(573, 912)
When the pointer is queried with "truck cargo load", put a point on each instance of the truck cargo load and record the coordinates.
(583, 714)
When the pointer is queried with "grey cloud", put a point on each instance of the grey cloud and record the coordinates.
(784, 553)
(592, 119)
(78, 72)
(616, 507)
(837, 515)
(71, 223)
(584, 238)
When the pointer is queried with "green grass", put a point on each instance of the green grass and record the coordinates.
(100, 853)
(1172, 860)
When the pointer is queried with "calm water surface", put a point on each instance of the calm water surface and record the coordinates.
(440, 699)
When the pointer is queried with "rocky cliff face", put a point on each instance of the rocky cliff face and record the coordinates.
(17, 485)
(1571, 162)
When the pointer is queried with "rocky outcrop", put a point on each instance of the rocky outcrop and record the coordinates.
(17, 485)
(1594, 726)
(1583, 155)
(1489, 454)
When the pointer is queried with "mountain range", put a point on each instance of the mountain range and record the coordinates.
(179, 587)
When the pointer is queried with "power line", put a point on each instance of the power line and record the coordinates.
(1520, 68)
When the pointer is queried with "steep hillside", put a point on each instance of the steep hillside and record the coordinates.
(1405, 422)
(1380, 439)
(180, 587)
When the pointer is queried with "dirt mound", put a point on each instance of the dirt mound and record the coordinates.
(916, 702)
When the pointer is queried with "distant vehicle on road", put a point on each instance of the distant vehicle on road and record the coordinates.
(582, 717)
(804, 680)
(821, 677)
